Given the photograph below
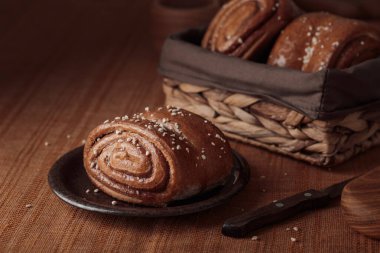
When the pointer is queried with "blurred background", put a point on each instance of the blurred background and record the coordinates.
(76, 33)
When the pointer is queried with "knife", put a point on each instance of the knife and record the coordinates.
(246, 223)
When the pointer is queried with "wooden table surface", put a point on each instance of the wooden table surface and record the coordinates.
(65, 66)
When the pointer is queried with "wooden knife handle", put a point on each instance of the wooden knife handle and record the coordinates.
(244, 224)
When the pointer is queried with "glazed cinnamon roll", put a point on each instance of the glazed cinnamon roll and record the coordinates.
(157, 156)
(317, 41)
(246, 28)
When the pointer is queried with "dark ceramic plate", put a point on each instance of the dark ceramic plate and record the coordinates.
(69, 181)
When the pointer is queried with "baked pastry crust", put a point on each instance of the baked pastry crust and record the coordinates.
(316, 41)
(157, 156)
(246, 28)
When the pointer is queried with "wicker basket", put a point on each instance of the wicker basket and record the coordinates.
(277, 128)
(264, 123)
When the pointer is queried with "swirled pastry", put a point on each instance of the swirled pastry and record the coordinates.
(317, 41)
(157, 156)
(246, 28)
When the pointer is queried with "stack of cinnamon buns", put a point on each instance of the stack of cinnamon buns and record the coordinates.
(281, 34)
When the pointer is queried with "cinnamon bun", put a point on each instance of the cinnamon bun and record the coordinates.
(317, 41)
(157, 156)
(246, 28)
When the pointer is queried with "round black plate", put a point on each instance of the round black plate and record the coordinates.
(69, 181)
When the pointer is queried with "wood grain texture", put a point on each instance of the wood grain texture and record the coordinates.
(361, 204)
(66, 66)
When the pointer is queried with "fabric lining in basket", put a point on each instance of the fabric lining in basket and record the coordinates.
(322, 95)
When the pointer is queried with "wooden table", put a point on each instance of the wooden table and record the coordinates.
(65, 66)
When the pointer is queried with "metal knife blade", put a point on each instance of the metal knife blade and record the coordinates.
(335, 190)
(247, 222)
